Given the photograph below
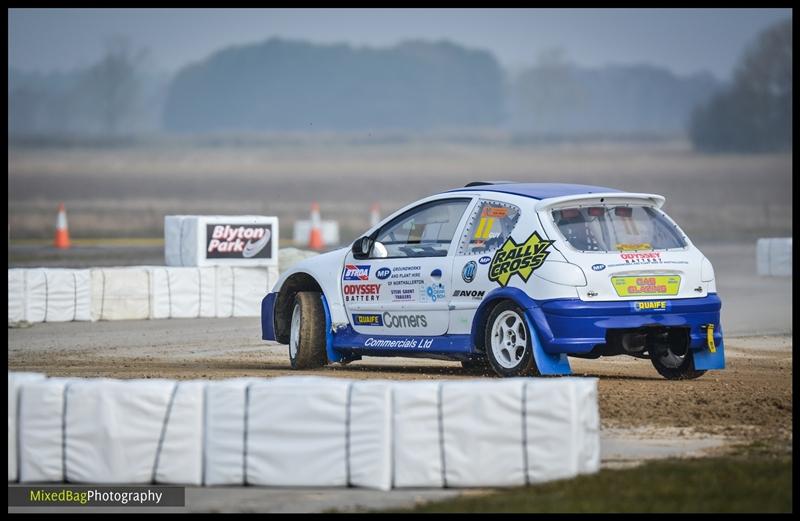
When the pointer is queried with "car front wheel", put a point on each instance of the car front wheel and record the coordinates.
(508, 342)
(307, 333)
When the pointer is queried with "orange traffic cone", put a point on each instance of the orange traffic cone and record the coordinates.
(62, 233)
(315, 241)
(374, 215)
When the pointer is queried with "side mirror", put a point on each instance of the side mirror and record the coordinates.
(361, 247)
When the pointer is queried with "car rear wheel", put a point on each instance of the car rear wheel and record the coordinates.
(673, 359)
(508, 341)
(307, 333)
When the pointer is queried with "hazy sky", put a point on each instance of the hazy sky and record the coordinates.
(684, 40)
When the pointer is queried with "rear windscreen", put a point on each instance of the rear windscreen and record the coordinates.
(617, 228)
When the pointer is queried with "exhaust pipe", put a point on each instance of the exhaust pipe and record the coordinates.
(634, 342)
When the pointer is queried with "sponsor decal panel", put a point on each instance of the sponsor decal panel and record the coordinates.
(391, 320)
(361, 292)
(433, 292)
(485, 260)
(634, 247)
(383, 273)
(405, 276)
(646, 285)
(356, 271)
(469, 293)
(249, 241)
(367, 319)
(650, 305)
(598, 267)
(404, 294)
(469, 271)
(399, 343)
(518, 259)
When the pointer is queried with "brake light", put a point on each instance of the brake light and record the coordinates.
(569, 213)
(623, 211)
(597, 211)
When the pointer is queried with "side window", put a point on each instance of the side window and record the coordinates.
(488, 227)
(425, 231)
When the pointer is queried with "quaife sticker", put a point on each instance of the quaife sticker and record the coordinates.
(521, 259)
(650, 305)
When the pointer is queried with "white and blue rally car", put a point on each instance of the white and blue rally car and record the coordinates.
(517, 276)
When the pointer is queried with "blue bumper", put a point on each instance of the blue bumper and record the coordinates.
(575, 326)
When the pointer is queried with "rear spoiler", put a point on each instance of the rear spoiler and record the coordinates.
(613, 198)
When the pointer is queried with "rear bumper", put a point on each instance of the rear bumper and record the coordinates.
(575, 326)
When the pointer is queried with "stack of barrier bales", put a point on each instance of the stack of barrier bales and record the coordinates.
(48, 295)
(774, 257)
(304, 431)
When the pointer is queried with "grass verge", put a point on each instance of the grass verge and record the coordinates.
(732, 484)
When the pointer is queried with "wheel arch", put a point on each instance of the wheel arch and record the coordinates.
(284, 302)
(491, 301)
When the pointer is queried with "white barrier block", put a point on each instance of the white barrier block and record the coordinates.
(483, 433)
(68, 295)
(181, 458)
(774, 257)
(224, 440)
(120, 293)
(417, 440)
(15, 381)
(551, 426)
(296, 432)
(16, 295)
(250, 285)
(370, 435)
(588, 423)
(211, 240)
(175, 292)
(114, 428)
(40, 438)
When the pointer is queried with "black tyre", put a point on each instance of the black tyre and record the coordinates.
(508, 342)
(673, 359)
(307, 332)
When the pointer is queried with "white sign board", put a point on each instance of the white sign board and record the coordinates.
(215, 240)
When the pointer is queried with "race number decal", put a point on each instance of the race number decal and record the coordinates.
(521, 259)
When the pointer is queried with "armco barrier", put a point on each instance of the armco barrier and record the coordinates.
(303, 431)
(774, 257)
(137, 292)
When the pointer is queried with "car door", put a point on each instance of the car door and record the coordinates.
(489, 224)
(401, 288)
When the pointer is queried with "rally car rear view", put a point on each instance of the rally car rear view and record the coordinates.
(516, 276)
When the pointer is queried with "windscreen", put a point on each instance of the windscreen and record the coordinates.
(617, 228)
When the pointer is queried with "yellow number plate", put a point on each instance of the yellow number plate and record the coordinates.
(646, 285)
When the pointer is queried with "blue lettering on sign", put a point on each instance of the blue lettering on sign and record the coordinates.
(367, 319)
(468, 273)
(648, 306)
(383, 273)
(485, 259)
(599, 267)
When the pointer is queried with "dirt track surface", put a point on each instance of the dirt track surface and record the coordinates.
(750, 399)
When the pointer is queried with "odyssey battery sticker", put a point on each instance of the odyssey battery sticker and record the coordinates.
(521, 259)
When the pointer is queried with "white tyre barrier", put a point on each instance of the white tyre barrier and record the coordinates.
(307, 431)
(48, 295)
(133, 431)
(15, 381)
(774, 257)
(41, 429)
(137, 293)
(120, 293)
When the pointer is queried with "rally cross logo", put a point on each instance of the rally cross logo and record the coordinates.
(521, 259)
